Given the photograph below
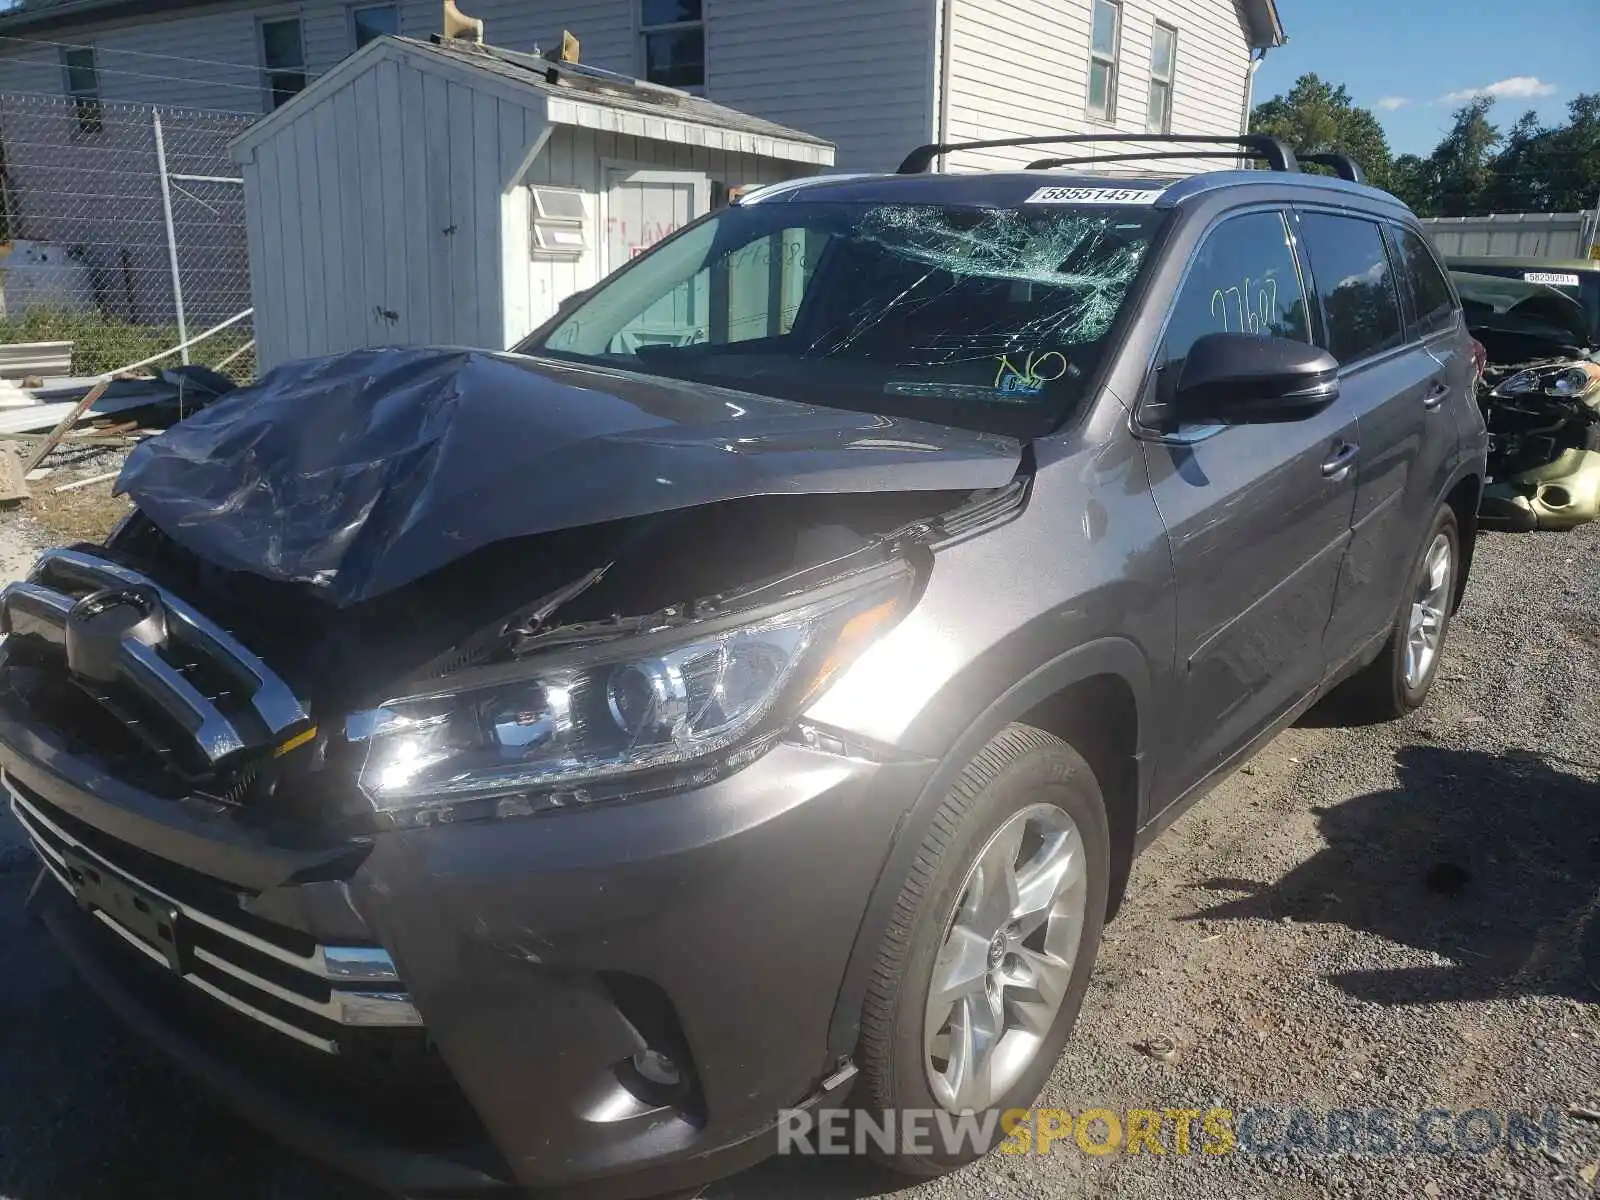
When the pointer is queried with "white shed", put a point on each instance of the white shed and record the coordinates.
(453, 194)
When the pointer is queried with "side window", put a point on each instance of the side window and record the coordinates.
(1354, 283)
(1430, 290)
(1244, 279)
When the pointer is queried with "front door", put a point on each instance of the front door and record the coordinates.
(1258, 515)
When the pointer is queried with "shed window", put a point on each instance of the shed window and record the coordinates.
(283, 59)
(674, 36)
(373, 21)
(558, 223)
(83, 85)
(1163, 67)
(1105, 45)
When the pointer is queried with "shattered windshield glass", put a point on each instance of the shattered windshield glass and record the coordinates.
(992, 319)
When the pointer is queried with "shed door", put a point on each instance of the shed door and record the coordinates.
(643, 206)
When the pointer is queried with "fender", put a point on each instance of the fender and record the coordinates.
(1104, 656)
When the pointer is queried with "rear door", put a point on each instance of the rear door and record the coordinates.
(1396, 389)
(1257, 515)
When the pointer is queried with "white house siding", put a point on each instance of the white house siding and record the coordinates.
(1021, 67)
(223, 35)
(859, 75)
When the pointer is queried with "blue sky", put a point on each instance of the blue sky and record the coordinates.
(1413, 61)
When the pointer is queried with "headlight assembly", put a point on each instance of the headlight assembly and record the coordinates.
(664, 708)
(1576, 380)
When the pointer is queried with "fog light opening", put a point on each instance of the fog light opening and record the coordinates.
(1555, 496)
(655, 1067)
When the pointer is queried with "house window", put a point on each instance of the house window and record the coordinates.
(83, 85)
(674, 36)
(558, 221)
(374, 21)
(283, 60)
(1105, 39)
(1163, 66)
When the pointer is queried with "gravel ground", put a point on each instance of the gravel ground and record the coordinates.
(1401, 917)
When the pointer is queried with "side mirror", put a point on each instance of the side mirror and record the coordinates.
(1244, 379)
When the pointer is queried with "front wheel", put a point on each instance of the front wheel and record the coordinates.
(983, 969)
(1400, 678)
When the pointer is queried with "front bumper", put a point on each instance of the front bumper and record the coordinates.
(541, 955)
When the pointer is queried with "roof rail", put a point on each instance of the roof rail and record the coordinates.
(1042, 164)
(1276, 153)
(1343, 165)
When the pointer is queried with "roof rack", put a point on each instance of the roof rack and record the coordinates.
(1276, 154)
(1042, 164)
(1343, 165)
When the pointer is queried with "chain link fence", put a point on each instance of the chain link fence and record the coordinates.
(122, 228)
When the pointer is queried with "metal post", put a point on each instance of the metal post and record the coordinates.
(172, 237)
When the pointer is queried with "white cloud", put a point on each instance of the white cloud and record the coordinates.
(1518, 87)
(1390, 103)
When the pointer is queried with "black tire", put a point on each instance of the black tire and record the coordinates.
(1021, 766)
(1380, 692)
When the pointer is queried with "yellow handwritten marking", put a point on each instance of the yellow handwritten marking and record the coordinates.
(294, 743)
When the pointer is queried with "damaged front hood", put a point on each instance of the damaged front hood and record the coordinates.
(364, 472)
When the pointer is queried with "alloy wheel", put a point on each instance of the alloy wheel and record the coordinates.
(1425, 629)
(1003, 968)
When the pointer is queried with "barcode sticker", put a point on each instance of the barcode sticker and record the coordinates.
(1553, 278)
(1094, 195)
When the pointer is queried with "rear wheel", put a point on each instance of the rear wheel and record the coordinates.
(983, 969)
(1400, 678)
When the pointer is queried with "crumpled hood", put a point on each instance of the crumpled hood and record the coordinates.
(366, 471)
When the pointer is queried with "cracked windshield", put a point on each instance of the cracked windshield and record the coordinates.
(989, 319)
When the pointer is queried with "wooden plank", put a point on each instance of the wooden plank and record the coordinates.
(375, 298)
(308, 247)
(337, 336)
(486, 245)
(291, 246)
(83, 483)
(463, 229)
(351, 251)
(516, 255)
(263, 268)
(441, 278)
(67, 421)
(418, 300)
(391, 167)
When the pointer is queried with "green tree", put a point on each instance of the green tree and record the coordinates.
(1411, 178)
(1462, 164)
(1558, 169)
(1316, 116)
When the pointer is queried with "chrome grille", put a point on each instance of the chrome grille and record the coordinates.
(163, 675)
(304, 996)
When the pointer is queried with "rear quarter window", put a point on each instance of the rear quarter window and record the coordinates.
(1431, 296)
(1355, 284)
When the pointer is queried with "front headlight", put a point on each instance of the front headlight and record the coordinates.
(667, 708)
(1574, 381)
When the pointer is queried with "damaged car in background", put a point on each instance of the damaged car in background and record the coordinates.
(1540, 393)
(538, 770)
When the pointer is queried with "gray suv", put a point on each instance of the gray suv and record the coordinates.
(537, 770)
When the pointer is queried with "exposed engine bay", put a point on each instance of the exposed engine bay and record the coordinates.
(1540, 394)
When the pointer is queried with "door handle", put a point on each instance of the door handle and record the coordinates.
(1436, 395)
(1337, 466)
